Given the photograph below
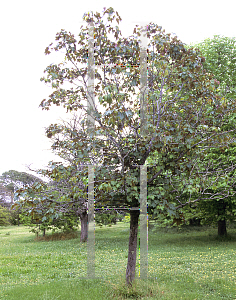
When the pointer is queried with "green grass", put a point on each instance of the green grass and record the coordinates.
(192, 264)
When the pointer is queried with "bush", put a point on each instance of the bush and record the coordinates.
(4, 216)
(58, 236)
(126, 218)
(66, 223)
(120, 217)
(106, 218)
(25, 219)
(63, 222)
(14, 216)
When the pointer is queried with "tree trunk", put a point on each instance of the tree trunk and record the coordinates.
(222, 223)
(84, 226)
(44, 231)
(222, 228)
(130, 270)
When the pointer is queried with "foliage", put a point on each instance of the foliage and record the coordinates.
(42, 219)
(220, 59)
(44, 205)
(220, 208)
(5, 192)
(26, 219)
(106, 218)
(183, 116)
(177, 133)
(126, 219)
(17, 179)
(14, 216)
(13, 180)
(4, 216)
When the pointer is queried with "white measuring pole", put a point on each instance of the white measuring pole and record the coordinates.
(90, 131)
(143, 169)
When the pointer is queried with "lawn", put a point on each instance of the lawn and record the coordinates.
(186, 264)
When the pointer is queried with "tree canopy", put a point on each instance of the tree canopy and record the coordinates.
(220, 56)
(183, 113)
(19, 179)
(12, 180)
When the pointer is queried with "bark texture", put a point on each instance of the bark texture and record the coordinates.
(130, 270)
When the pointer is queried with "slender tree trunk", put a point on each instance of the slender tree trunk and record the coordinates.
(130, 270)
(222, 228)
(44, 231)
(84, 225)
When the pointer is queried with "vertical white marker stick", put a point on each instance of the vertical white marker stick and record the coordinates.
(143, 169)
(91, 126)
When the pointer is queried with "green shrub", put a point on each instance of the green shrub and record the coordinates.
(106, 218)
(14, 216)
(126, 218)
(4, 216)
(62, 222)
(120, 217)
(25, 219)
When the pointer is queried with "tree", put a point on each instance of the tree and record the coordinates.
(219, 209)
(42, 203)
(71, 184)
(180, 122)
(5, 194)
(13, 179)
(220, 58)
(64, 138)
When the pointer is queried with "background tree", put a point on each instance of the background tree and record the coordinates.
(43, 205)
(66, 179)
(13, 180)
(180, 122)
(220, 58)
(66, 139)
(5, 195)
(213, 202)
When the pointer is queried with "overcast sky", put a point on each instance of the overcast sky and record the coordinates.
(28, 27)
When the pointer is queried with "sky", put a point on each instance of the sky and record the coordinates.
(28, 27)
